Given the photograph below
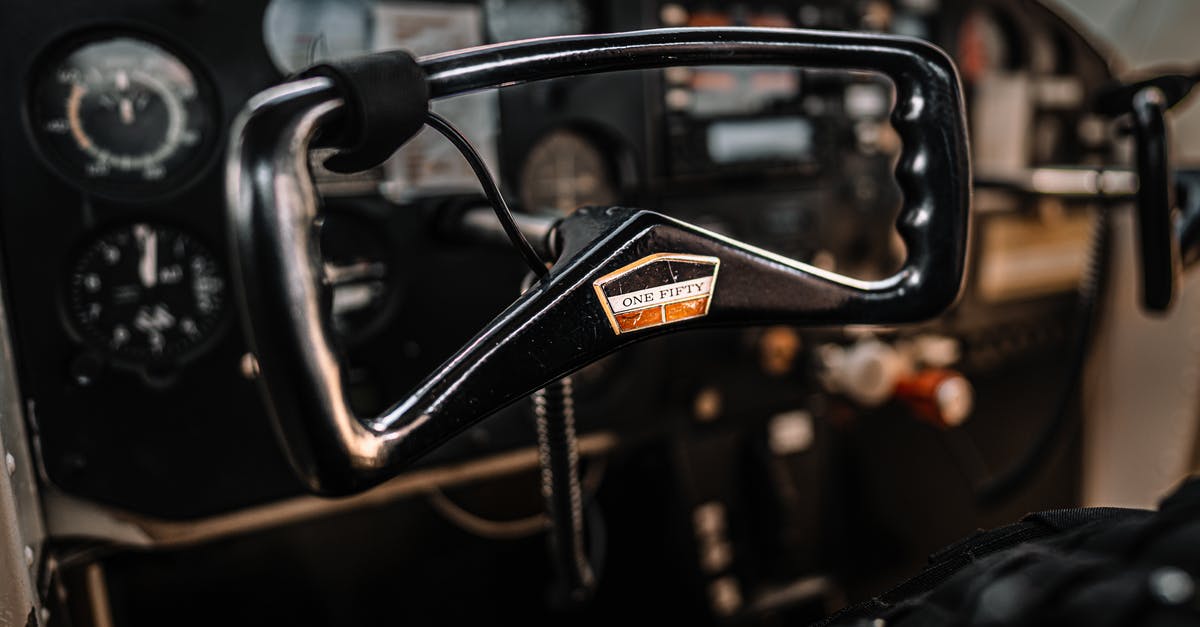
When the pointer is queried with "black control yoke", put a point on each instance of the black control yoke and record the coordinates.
(1162, 236)
(622, 275)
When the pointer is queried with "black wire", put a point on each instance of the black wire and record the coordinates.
(1008, 482)
(491, 190)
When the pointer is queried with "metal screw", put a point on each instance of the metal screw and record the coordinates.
(249, 366)
(10, 462)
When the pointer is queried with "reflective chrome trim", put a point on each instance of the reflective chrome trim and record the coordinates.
(22, 529)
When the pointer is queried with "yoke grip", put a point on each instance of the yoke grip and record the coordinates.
(557, 326)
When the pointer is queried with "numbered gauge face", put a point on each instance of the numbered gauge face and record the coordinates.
(122, 117)
(509, 20)
(299, 33)
(563, 172)
(146, 293)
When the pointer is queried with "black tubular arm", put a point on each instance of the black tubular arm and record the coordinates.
(560, 324)
(1157, 245)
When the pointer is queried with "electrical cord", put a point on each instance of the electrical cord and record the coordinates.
(475, 524)
(554, 411)
(524, 527)
(1005, 484)
(491, 190)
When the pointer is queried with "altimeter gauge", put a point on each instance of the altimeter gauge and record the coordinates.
(146, 293)
(122, 116)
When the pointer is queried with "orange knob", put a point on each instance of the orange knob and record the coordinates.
(941, 397)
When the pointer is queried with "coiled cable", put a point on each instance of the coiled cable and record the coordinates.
(558, 454)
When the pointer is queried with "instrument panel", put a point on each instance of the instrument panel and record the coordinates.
(146, 294)
(138, 382)
(121, 116)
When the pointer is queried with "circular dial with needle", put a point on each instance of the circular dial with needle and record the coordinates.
(146, 293)
(563, 172)
(121, 114)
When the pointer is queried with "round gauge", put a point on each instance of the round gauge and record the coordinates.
(510, 20)
(299, 33)
(122, 116)
(146, 293)
(563, 172)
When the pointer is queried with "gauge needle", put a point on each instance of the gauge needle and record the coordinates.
(125, 103)
(147, 239)
(126, 108)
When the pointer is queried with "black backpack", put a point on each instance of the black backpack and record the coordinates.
(1089, 566)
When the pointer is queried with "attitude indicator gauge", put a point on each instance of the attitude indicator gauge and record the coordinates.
(122, 117)
(146, 293)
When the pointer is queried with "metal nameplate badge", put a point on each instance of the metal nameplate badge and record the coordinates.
(660, 289)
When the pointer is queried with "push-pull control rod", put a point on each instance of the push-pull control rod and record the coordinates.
(621, 275)
(1161, 233)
